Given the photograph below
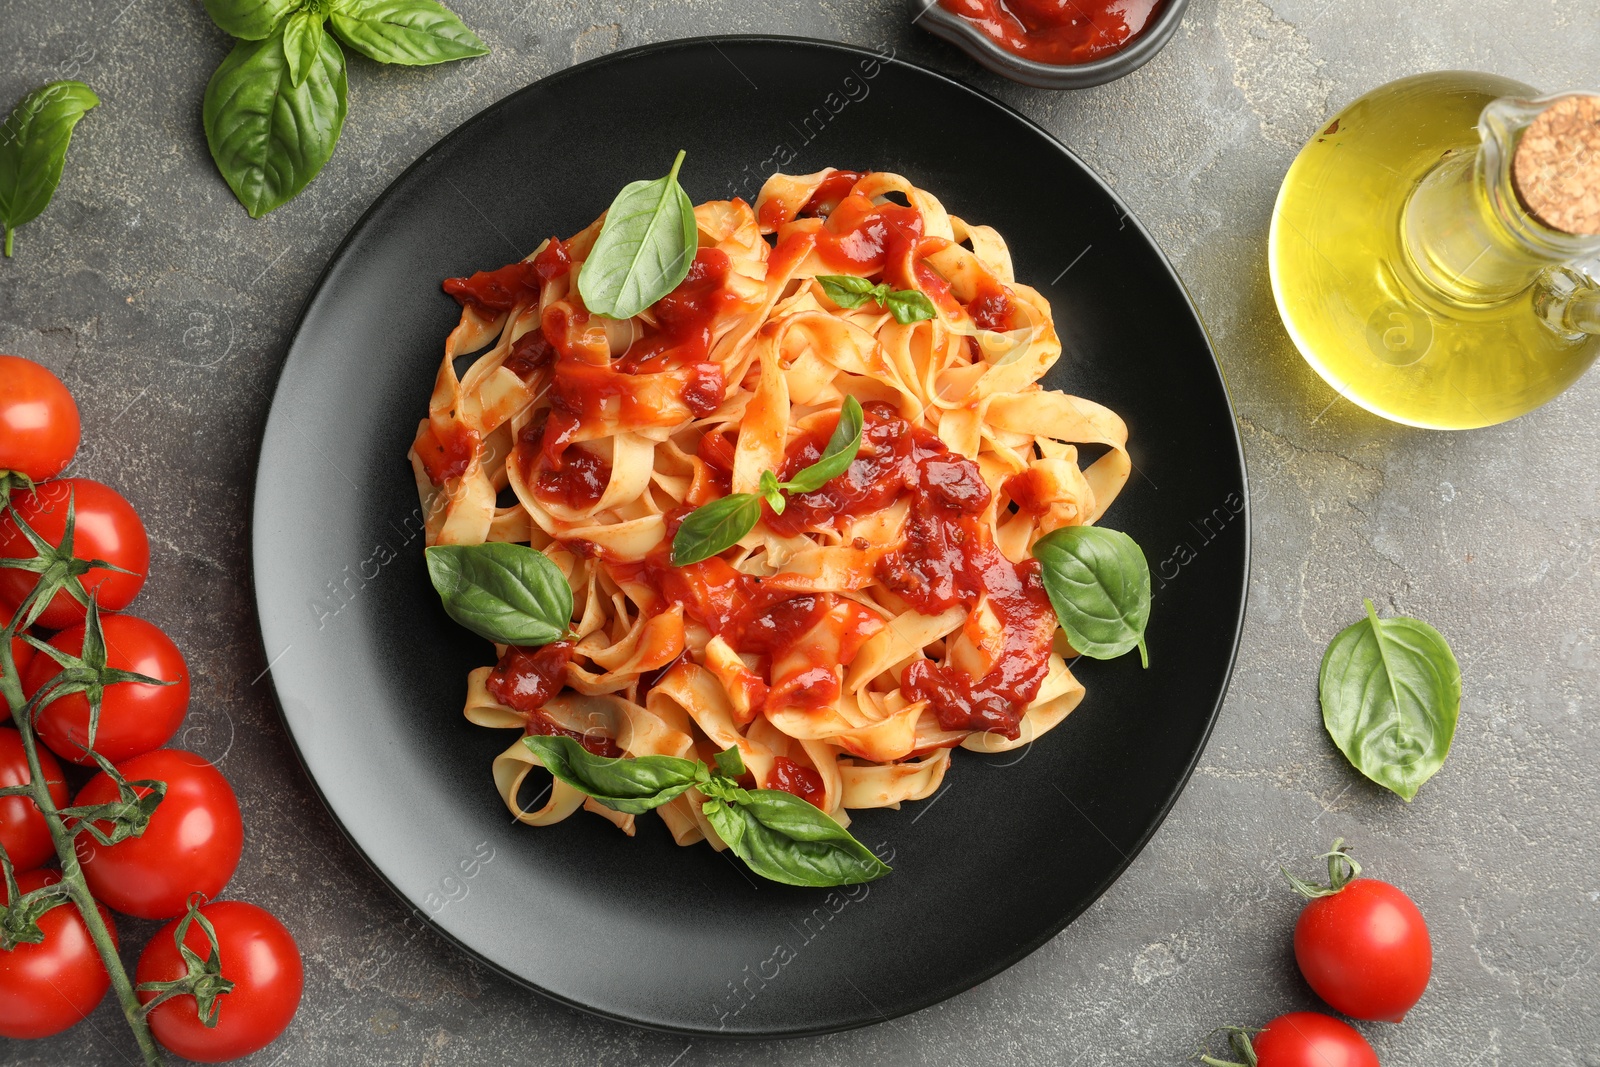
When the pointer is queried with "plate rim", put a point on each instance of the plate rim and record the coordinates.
(968, 980)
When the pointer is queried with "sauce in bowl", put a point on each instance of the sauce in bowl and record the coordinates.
(1060, 32)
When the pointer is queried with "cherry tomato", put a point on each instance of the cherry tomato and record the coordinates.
(1308, 1039)
(39, 428)
(22, 827)
(258, 956)
(1365, 950)
(191, 845)
(45, 988)
(106, 527)
(135, 718)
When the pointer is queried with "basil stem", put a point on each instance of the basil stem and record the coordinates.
(633, 786)
(715, 527)
(508, 593)
(1099, 584)
(1391, 697)
(645, 247)
(33, 149)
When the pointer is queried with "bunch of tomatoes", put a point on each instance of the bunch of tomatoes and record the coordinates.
(1363, 947)
(191, 843)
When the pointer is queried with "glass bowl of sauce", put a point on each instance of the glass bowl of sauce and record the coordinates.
(1055, 44)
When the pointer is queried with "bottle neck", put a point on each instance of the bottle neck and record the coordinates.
(1465, 229)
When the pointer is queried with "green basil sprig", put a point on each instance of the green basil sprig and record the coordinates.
(507, 593)
(275, 107)
(906, 305)
(778, 835)
(1099, 584)
(1391, 696)
(644, 250)
(33, 149)
(717, 526)
(632, 786)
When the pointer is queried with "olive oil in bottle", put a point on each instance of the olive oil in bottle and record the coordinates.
(1408, 266)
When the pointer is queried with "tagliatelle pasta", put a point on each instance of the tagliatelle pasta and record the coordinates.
(845, 646)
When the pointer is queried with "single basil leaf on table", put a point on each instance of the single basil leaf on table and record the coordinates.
(507, 593)
(1391, 697)
(786, 839)
(849, 291)
(250, 20)
(33, 149)
(408, 32)
(632, 786)
(837, 456)
(1099, 584)
(645, 247)
(715, 527)
(268, 136)
(909, 305)
(302, 44)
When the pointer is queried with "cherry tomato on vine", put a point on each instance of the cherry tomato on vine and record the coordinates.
(105, 527)
(45, 988)
(22, 827)
(1362, 944)
(135, 718)
(21, 655)
(39, 428)
(1300, 1039)
(258, 956)
(191, 845)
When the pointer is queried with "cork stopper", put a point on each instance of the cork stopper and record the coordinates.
(1557, 166)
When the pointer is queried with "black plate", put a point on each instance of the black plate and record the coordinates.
(371, 673)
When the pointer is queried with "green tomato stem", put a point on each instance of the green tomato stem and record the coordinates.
(71, 872)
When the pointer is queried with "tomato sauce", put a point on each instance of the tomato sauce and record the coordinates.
(948, 559)
(834, 188)
(860, 237)
(498, 291)
(449, 456)
(579, 482)
(792, 777)
(1062, 32)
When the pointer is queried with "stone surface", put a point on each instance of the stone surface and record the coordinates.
(167, 311)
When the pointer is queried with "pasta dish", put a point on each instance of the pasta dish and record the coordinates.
(844, 646)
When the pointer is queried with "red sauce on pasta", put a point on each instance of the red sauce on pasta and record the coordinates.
(579, 482)
(1058, 31)
(947, 559)
(860, 237)
(792, 777)
(448, 456)
(498, 291)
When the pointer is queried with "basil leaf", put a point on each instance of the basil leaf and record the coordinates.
(250, 20)
(302, 42)
(909, 305)
(1099, 583)
(786, 839)
(849, 291)
(715, 527)
(730, 764)
(1391, 696)
(270, 137)
(409, 32)
(507, 593)
(837, 456)
(772, 492)
(632, 786)
(33, 149)
(644, 250)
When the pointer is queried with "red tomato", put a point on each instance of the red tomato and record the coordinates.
(191, 845)
(1365, 950)
(45, 988)
(22, 827)
(134, 718)
(106, 527)
(39, 427)
(258, 956)
(1307, 1039)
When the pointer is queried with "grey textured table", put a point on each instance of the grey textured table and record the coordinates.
(167, 312)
